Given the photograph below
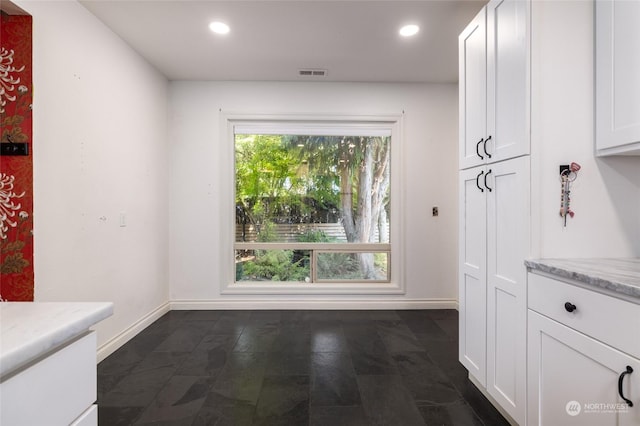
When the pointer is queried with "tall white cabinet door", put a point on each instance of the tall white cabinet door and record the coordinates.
(508, 87)
(617, 77)
(472, 92)
(472, 289)
(573, 379)
(507, 247)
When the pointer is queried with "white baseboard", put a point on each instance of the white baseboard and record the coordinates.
(245, 304)
(115, 343)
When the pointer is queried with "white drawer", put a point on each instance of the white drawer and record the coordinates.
(613, 321)
(53, 391)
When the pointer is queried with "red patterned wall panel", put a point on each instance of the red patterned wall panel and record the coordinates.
(16, 172)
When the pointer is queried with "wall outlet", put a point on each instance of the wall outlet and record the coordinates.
(434, 211)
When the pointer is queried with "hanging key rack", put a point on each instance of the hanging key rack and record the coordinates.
(568, 174)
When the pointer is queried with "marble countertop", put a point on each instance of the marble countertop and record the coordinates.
(617, 275)
(29, 330)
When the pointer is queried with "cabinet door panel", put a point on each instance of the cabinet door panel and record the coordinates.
(506, 335)
(508, 223)
(472, 274)
(617, 82)
(473, 221)
(507, 79)
(472, 87)
(473, 327)
(507, 247)
(573, 379)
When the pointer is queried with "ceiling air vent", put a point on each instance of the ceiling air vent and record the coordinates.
(312, 73)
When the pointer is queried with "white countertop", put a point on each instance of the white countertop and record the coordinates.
(29, 330)
(617, 275)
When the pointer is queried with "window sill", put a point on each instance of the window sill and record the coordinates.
(316, 288)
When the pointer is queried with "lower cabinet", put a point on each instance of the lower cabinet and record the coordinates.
(59, 389)
(494, 242)
(574, 378)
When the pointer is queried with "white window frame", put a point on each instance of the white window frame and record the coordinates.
(313, 123)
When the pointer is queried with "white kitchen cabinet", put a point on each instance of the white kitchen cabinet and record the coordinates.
(494, 139)
(494, 84)
(48, 362)
(494, 241)
(617, 81)
(57, 390)
(574, 366)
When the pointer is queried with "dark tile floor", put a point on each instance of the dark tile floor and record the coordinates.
(292, 368)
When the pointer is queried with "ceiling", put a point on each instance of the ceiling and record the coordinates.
(271, 40)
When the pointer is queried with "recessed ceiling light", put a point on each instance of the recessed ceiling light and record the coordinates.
(219, 27)
(409, 30)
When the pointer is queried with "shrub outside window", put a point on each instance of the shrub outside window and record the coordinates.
(312, 203)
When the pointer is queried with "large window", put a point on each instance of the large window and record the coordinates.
(312, 203)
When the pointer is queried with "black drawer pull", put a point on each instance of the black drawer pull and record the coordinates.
(478, 148)
(629, 370)
(485, 146)
(477, 184)
(485, 181)
(570, 307)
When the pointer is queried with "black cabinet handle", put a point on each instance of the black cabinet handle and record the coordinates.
(629, 370)
(477, 179)
(485, 181)
(570, 307)
(478, 148)
(485, 146)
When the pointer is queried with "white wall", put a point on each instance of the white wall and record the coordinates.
(100, 133)
(606, 194)
(197, 187)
